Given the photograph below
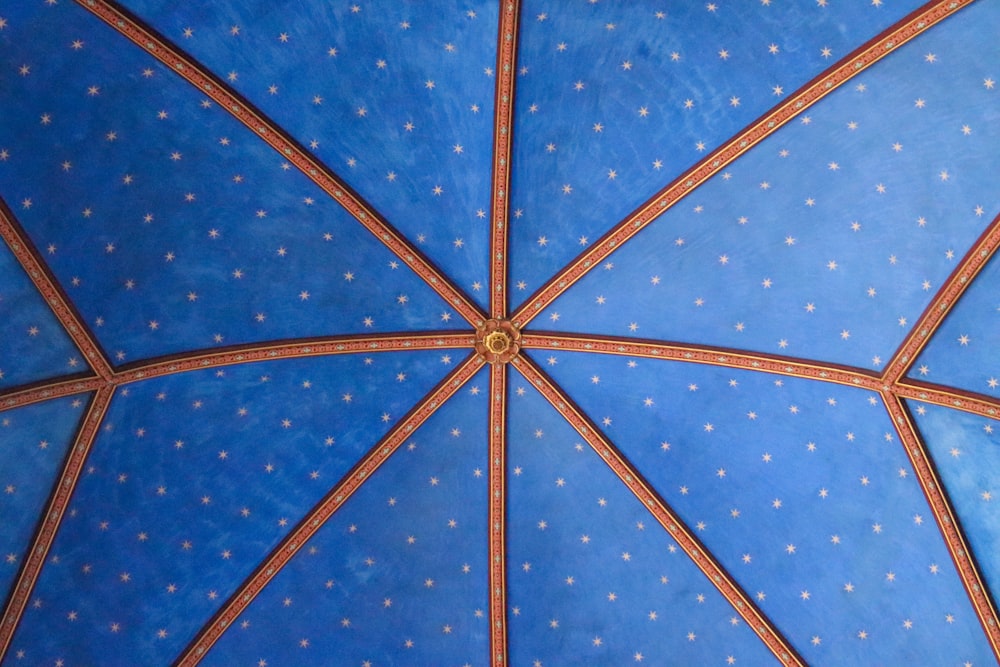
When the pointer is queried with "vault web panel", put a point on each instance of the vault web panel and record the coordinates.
(966, 451)
(193, 479)
(615, 101)
(396, 98)
(827, 240)
(397, 575)
(779, 475)
(33, 443)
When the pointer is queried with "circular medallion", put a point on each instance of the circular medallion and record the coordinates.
(498, 341)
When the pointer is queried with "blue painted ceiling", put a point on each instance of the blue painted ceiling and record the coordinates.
(174, 232)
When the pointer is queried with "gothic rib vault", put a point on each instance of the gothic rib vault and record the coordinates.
(525, 333)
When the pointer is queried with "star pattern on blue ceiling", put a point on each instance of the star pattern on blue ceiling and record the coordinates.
(36, 346)
(593, 578)
(216, 223)
(823, 482)
(616, 102)
(398, 102)
(36, 439)
(965, 449)
(393, 573)
(489, 333)
(176, 508)
(960, 354)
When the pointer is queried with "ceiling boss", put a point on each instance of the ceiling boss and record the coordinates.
(498, 341)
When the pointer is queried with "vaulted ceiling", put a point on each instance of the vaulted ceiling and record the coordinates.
(531, 332)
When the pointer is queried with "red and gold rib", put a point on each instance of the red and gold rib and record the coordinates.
(947, 397)
(314, 347)
(659, 508)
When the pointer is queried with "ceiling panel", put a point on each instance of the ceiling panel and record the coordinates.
(966, 451)
(171, 226)
(828, 239)
(592, 577)
(962, 352)
(34, 441)
(193, 479)
(803, 493)
(36, 346)
(396, 98)
(616, 100)
(398, 574)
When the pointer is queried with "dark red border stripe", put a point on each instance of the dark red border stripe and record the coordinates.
(945, 518)
(289, 149)
(631, 347)
(303, 348)
(503, 132)
(318, 516)
(659, 508)
(939, 307)
(859, 60)
(54, 296)
(54, 512)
